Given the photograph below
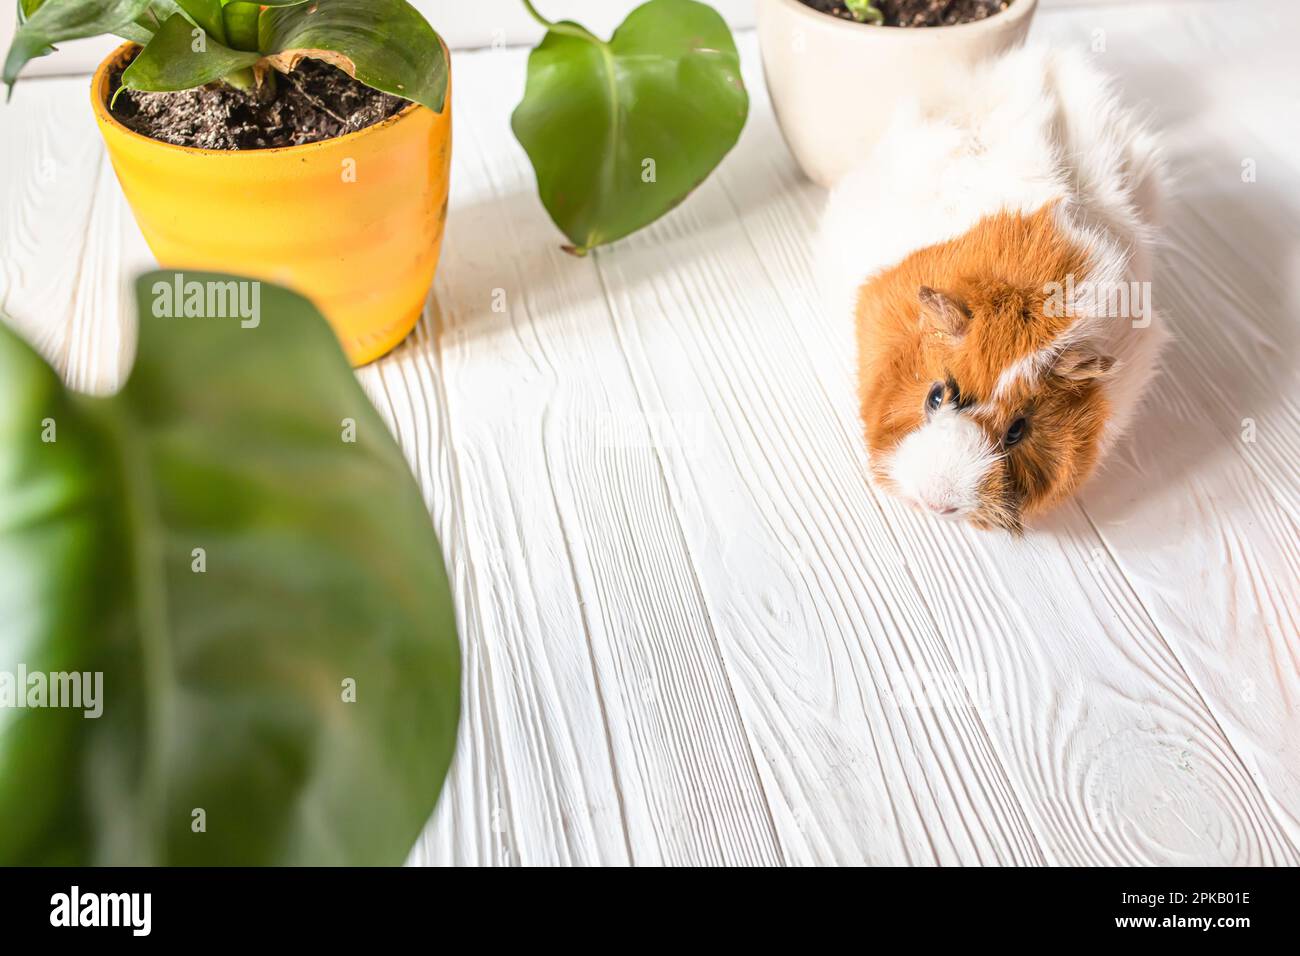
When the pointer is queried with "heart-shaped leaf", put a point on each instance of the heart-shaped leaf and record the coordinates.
(386, 44)
(621, 132)
(235, 543)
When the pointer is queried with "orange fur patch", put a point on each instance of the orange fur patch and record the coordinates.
(999, 271)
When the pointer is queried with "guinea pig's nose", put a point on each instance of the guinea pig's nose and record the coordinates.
(940, 507)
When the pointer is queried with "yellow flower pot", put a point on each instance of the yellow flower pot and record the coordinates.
(353, 223)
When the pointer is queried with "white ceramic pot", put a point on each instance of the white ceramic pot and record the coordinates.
(821, 70)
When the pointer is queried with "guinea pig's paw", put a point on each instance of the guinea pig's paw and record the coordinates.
(999, 519)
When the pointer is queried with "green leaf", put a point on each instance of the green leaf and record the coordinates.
(863, 11)
(25, 9)
(241, 21)
(206, 14)
(222, 688)
(663, 100)
(175, 59)
(386, 44)
(57, 20)
(146, 25)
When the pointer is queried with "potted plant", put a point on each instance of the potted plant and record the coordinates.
(829, 63)
(351, 215)
(333, 179)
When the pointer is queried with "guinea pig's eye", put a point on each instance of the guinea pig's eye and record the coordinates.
(935, 398)
(1014, 433)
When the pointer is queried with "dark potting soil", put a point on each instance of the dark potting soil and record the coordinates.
(919, 13)
(314, 102)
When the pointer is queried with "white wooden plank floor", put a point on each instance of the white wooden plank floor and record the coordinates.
(692, 632)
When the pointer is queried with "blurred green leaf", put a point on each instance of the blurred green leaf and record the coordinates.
(57, 20)
(864, 11)
(386, 44)
(621, 132)
(222, 689)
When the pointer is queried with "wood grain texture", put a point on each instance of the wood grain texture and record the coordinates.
(692, 632)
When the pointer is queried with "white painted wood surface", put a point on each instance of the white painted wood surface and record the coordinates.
(692, 632)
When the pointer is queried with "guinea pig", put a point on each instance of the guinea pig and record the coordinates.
(994, 249)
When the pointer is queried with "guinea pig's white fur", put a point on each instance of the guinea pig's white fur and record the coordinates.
(1032, 127)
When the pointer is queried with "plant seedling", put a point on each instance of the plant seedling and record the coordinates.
(864, 11)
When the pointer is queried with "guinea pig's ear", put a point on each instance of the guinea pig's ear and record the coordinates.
(941, 314)
(1083, 363)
